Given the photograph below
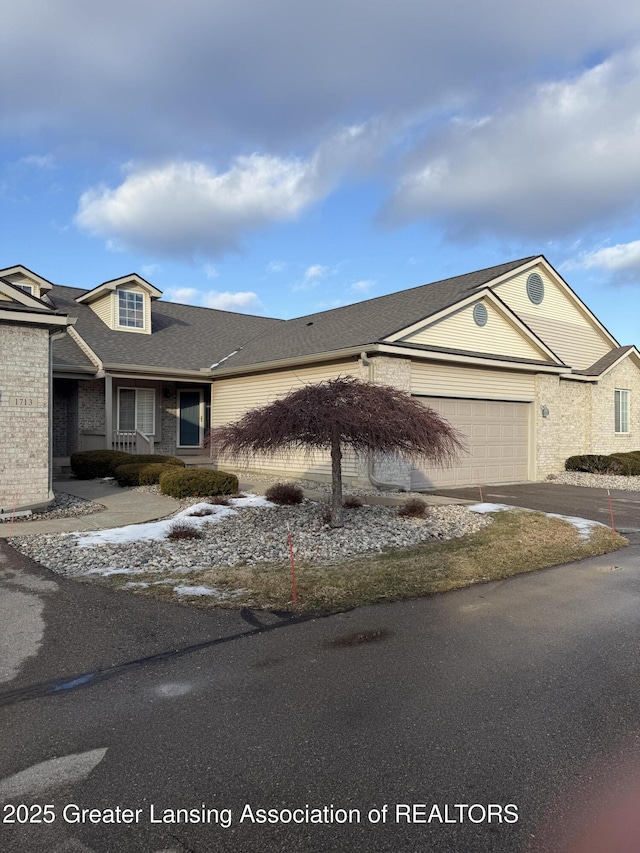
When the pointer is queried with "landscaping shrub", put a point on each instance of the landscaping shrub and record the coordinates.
(150, 473)
(129, 474)
(413, 508)
(351, 502)
(219, 500)
(593, 463)
(629, 462)
(149, 459)
(187, 482)
(287, 494)
(183, 530)
(89, 464)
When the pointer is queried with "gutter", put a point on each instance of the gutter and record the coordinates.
(333, 355)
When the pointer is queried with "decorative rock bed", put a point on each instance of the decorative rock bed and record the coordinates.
(254, 535)
(63, 506)
(596, 481)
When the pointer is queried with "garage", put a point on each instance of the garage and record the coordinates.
(496, 433)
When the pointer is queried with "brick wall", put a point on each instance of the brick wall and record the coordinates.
(91, 404)
(24, 416)
(604, 440)
(169, 398)
(567, 429)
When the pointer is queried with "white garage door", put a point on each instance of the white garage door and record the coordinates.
(497, 437)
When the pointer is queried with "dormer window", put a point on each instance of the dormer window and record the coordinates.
(130, 309)
(28, 288)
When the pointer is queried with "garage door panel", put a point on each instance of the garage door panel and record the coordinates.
(497, 438)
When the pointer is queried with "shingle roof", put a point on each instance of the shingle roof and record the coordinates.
(183, 336)
(363, 322)
(68, 355)
(605, 362)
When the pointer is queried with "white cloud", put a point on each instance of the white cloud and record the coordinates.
(621, 262)
(187, 295)
(316, 272)
(210, 271)
(363, 286)
(39, 161)
(150, 269)
(242, 301)
(276, 266)
(186, 208)
(562, 156)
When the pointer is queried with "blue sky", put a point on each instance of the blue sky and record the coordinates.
(284, 158)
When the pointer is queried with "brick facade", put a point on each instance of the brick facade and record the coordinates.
(581, 417)
(24, 416)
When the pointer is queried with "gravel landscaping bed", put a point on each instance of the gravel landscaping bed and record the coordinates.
(63, 506)
(255, 535)
(596, 481)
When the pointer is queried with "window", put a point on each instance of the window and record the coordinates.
(136, 410)
(130, 309)
(28, 288)
(621, 411)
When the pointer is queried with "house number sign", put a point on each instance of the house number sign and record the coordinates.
(24, 402)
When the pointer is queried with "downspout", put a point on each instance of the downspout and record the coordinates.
(379, 484)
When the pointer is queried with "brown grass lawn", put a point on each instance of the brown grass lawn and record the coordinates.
(515, 542)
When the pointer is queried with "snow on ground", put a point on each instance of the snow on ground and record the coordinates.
(583, 525)
(157, 530)
(208, 590)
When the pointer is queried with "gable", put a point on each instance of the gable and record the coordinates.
(559, 319)
(494, 332)
(23, 278)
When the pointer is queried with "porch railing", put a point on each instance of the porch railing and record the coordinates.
(132, 441)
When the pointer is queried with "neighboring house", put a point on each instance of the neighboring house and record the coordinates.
(510, 355)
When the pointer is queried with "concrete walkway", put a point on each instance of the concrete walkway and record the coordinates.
(122, 506)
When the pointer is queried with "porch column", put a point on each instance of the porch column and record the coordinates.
(108, 410)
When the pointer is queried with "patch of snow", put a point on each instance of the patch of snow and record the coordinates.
(105, 571)
(156, 530)
(207, 590)
(131, 584)
(583, 525)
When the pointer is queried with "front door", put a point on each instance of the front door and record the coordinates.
(191, 422)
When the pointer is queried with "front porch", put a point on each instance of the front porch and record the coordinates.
(139, 416)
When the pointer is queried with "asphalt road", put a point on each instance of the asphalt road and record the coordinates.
(566, 500)
(524, 692)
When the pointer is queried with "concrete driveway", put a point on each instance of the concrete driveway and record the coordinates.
(566, 500)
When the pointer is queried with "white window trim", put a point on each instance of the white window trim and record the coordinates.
(618, 402)
(144, 310)
(28, 288)
(135, 409)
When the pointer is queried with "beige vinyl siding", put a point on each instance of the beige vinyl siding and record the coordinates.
(232, 397)
(19, 279)
(460, 331)
(103, 307)
(448, 380)
(558, 321)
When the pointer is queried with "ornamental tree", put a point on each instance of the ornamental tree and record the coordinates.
(340, 415)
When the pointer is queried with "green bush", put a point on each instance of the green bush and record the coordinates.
(593, 463)
(149, 458)
(200, 482)
(150, 473)
(630, 463)
(287, 494)
(89, 464)
(129, 474)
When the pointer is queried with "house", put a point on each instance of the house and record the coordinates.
(509, 354)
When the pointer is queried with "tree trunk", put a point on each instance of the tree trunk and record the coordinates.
(337, 519)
